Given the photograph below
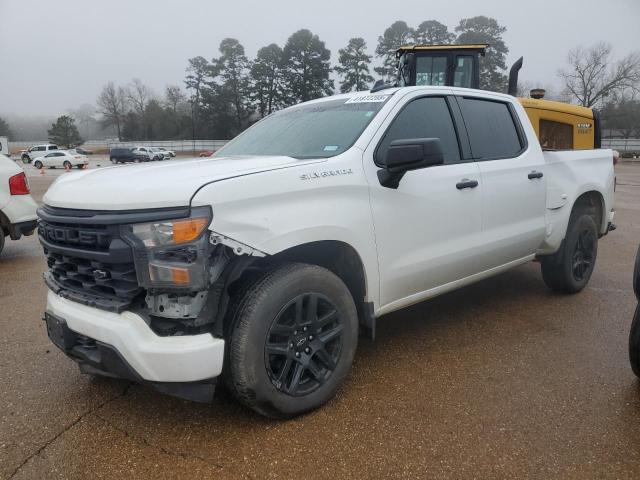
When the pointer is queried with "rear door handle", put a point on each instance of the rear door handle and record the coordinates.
(466, 183)
(535, 174)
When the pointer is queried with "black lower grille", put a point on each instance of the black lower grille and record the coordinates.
(94, 277)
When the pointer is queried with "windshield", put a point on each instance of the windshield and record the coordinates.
(318, 130)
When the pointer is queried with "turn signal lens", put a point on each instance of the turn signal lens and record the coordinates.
(187, 230)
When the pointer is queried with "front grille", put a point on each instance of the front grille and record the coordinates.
(94, 277)
(89, 262)
(86, 254)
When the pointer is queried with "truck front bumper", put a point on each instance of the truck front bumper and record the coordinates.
(122, 345)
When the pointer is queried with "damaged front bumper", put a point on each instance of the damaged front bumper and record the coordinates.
(123, 345)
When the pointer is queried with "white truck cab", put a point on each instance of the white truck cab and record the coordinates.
(271, 257)
(38, 151)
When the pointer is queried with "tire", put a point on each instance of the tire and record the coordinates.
(37, 164)
(634, 342)
(570, 268)
(1, 239)
(25, 159)
(66, 165)
(317, 349)
(114, 161)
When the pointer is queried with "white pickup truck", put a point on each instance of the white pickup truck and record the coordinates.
(265, 262)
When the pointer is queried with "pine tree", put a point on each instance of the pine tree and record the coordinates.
(354, 66)
(64, 132)
(268, 82)
(306, 68)
(394, 37)
(432, 32)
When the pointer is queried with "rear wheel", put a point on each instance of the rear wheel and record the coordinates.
(1, 239)
(37, 164)
(570, 269)
(114, 161)
(292, 339)
(67, 165)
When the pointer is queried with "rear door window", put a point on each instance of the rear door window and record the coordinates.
(427, 117)
(492, 130)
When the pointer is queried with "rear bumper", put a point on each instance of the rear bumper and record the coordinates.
(146, 356)
(27, 228)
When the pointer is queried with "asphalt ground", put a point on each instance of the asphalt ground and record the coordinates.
(502, 379)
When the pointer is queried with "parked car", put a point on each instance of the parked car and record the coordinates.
(61, 159)
(634, 334)
(125, 155)
(79, 151)
(148, 154)
(207, 153)
(170, 152)
(160, 154)
(17, 207)
(309, 226)
(37, 151)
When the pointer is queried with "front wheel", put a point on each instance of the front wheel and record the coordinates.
(67, 165)
(38, 164)
(293, 335)
(570, 268)
(1, 239)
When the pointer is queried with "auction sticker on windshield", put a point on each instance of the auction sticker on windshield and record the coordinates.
(368, 99)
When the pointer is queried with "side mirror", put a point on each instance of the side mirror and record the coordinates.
(409, 154)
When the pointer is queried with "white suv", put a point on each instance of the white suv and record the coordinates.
(17, 207)
(38, 151)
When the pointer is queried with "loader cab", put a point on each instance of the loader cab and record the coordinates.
(559, 126)
(440, 65)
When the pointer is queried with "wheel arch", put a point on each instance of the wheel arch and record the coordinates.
(341, 259)
(592, 202)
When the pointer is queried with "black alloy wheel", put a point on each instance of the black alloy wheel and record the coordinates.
(303, 344)
(583, 255)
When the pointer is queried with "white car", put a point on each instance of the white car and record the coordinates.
(61, 159)
(270, 258)
(38, 151)
(160, 153)
(17, 207)
(170, 152)
(146, 152)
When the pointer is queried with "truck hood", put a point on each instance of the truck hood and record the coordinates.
(154, 185)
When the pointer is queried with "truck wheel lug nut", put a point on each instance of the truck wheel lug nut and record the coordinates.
(297, 354)
(295, 332)
(304, 329)
(310, 337)
(291, 345)
(307, 350)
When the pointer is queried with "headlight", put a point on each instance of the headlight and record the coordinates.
(172, 254)
(159, 234)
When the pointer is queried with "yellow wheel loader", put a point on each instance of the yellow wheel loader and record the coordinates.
(559, 126)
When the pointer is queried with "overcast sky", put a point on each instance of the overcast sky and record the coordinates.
(57, 54)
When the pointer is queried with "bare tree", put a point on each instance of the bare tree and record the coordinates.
(139, 95)
(174, 97)
(112, 105)
(593, 74)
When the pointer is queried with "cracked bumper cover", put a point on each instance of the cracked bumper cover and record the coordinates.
(149, 357)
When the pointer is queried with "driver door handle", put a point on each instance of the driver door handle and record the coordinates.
(466, 183)
(534, 174)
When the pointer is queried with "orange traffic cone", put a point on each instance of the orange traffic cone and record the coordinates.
(41, 170)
